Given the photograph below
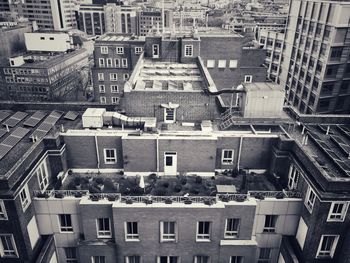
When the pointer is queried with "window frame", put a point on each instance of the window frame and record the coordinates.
(233, 63)
(115, 90)
(115, 75)
(168, 258)
(27, 201)
(70, 259)
(110, 160)
(104, 49)
(3, 212)
(109, 63)
(271, 220)
(124, 62)
(114, 100)
(126, 76)
(264, 259)
(128, 259)
(200, 258)
(67, 228)
(102, 88)
(248, 78)
(42, 175)
(211, 63)
(103, 100)
(13, 245)
(119, 50)
(138, 50)
(310, 206)
(103, 64)
(117, 65)
(100, 76)
(103, 233)
(203, 237)
(131, 237)
(222, 63)
(226, 160)
(93, 259)
(341, 216)
(332, 250)
(232, 234)
(188, 51)
(168, 237)
(236, 259)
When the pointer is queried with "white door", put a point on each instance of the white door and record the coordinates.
(169, 115)
(155, 51)
(170, 163)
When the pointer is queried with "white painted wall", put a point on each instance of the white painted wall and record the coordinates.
(33, 232)
(301, 232)
(50, 42)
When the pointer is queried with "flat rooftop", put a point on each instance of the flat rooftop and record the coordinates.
(169, 76)
(189, 32)
(119, 38)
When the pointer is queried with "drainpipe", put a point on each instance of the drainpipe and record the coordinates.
(97, 154)
(239, 152)
(157, 141)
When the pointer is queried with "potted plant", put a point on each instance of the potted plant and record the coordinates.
(111, 197)
(225, 198)
(128, 201)
(280, 195)
(70, 172)
(42, 195)
(259, 196)
(59, 195)
(77, 182)
(94, 197)
(99, 182)
(187, 201)
(240, 198)
(78, 194)
(168, 201)
(208, 202)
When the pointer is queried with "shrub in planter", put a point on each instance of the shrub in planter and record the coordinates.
(208, 202)
(165, 184)
(99, 180)
(128, 201)
(77, 182)
(194, 191)
(240, 198)
(225, 198)
(259, 196)
(84, 180)
(93, 189)
(177, 188)
(161, 191)
(70, 172)
(148, 201)
(59, 195)
(168, 201)
(94, 197)
(198, 180)
(187, 201)
(111, 197)
(78, 194)
(279, 195)
(121, 172)
(58, 184)
(183, 180)
(152, 177)
(42, 195)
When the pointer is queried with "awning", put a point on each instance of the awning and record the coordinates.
(169, 105)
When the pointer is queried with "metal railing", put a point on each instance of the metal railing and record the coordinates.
(60, 193)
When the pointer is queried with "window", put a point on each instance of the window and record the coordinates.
(120, 50)
(124, 63)
(233, 64)
(337, 211)
(71, 254)
(270, 223)
(201, 259)
(25, 197)
(103, 228)
(167, 231)
(248, 78)
(113, 76)
(117, 62)
(188, 50)
(114, 100)
(65, 221)
(236, 259)
(110, 156)
(100, 76)
(210, 63)
(101, 62)
(43, 176)
(133, 259)
(3, 214)
(98, 259)
(293, 178)
(103, 100)
(231, 229)
(7, 246)
(167, 259)
(104, 50)
(227, 157)
(114, 88)
(102, 88)
(222, 64)
(109, 63)
(203, 231)
(310, 199)
(264, 255)
(138, 50)
(126, 76)
(327, 246)
(169, 115)
(131, 231)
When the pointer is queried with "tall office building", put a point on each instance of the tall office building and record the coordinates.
(315, 67)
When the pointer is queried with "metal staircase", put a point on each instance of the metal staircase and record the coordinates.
(228, 118)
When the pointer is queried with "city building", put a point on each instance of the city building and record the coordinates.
(273, 42)
(51, 69)
(220, 52)
(315, 68)
(101, 186)
(150, 19)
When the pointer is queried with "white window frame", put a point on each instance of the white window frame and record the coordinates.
(103, 233)
(114, 100)
(119, 50)
(210, 63)
(236, 259)
(124, 62)
(131, 236)
(168, 237)
(222, 63)
(233, 63)
(65, 228)
(110, 160)
(326, 253)
(270, 223)
(25, 198)
(172, 112)
(231, 233)
(70, 259)
(102, 88)
(130, 259)
(13, 253)
(126, 76)
(3, 213)
(188, 51)
(138, 50)
(248, 78)
(227, 160)
(264, 260)
(109, 63)
(100, 76)
(117, 62)
(309, 203)
(94, 259)
(201, 259)
(293, 177)
(101, 63)
(103, 100)
(168, 259)
(104, 50)
(337, 217)
(42, 175)
(203, 237)
(113, 76)
(113, 90)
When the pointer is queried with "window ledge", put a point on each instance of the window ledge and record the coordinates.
(203, 240)
(132, 240)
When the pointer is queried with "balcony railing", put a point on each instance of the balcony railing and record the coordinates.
(60, 193)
